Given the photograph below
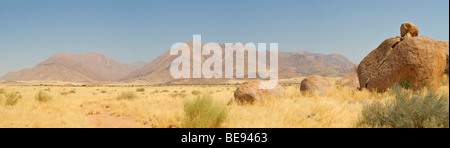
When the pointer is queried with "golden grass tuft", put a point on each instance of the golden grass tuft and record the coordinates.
(203, 112)
(408, 109)
(127, 96)
(42, 96)
(140, 90)
(10, 99)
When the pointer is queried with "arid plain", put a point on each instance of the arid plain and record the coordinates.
(163, 106)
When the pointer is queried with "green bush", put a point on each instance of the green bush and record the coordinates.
(41, 96)
(127, 96)
(406, 84)
(202, 112)
(10, 99)
(408, 110)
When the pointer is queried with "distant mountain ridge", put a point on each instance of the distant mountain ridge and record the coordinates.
(291, 65)
(305, 64)
(91, 67)
(96, 67)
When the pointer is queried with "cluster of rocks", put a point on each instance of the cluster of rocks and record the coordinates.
(420, 61)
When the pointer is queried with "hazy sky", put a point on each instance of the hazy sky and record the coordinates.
(140, 30)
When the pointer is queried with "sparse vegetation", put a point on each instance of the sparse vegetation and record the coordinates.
(127, 96)
(405, 84)
(195, 92)
(140, 90)
(203, 112)
(177, 95)
(340, 108)
(408, 110)
(41, 96)
(64, 93)
(10, 99)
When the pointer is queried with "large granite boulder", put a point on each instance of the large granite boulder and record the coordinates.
(250, 92)
(315, 83)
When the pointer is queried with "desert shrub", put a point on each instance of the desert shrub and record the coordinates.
(64, 93)
(10, 99)
(140, 90)
(127, 96)
(408, 110)
(41, 96)
(405, 84)
(202, 112)
(195, 92)
(176, 95)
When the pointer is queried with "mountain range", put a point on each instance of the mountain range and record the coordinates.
(95, 67)
(91, 67)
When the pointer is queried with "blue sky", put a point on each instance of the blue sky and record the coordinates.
(140, 30)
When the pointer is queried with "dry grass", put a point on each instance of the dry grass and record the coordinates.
(195, 92)
(408, 109)
(60, 112)
(9, 99)
(203, 112)
(127, 96)
(160, 109)
(140, 90)
(42, 96)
